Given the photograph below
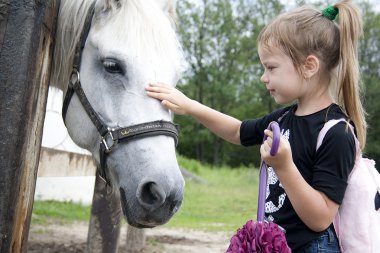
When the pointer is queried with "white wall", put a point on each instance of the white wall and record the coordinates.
(66, 172)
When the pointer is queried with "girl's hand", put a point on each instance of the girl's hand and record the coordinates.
(283, 159)
(170, 97)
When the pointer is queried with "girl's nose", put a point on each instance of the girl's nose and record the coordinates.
(264, 79)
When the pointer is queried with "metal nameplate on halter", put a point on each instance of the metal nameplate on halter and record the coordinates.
(109, 141)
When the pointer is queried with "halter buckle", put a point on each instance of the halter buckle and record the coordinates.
(108, 141)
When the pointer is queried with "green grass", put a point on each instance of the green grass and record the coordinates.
(63, 212)
(224, 203)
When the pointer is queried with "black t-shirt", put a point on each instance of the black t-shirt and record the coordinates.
(326, 170)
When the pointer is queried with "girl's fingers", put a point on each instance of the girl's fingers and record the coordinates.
(173, 107)
(170, 105)
(162, 84)
(158, 95)
(264, 149)
(153, 94)
(269, 141)
(158, 84)
(158, 89)
(268, 133)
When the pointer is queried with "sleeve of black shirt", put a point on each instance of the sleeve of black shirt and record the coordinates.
(252, 130)
(335, 160)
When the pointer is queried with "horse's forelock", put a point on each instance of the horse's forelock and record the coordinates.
(147, 26)
(167, 6)
(71, 20)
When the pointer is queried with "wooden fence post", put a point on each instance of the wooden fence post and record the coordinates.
(104, 229)
(26, 46)
(135, 239)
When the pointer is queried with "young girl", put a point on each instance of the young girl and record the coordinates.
(310, 60)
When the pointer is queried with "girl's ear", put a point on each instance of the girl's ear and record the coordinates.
(311, 66)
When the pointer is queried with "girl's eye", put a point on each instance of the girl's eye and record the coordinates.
(270, 68)
(112, 66)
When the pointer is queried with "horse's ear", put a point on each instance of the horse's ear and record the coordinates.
(106, 5)
(169, 7)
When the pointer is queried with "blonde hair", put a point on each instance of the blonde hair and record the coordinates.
(307, 31)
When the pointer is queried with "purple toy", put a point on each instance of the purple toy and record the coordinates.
(261, 236)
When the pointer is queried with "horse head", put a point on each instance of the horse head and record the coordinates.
(123, 46)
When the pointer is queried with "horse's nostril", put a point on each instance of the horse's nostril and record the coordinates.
(151, 196)
(174, 206)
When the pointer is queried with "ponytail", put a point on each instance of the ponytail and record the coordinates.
(348, 85)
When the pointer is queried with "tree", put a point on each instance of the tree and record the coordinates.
(369, 54)
(219, 38)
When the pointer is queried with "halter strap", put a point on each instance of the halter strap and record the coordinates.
(78, 59)
(110, 137)
(76, 86)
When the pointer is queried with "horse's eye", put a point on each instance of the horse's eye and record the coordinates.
(112, 66)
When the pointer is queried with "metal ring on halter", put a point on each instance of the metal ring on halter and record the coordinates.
(75, 77)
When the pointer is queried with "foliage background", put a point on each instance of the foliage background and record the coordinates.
(219, 39)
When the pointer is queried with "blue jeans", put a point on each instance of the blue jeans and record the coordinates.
(326, 243)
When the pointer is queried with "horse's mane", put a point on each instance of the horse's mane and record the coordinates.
(72, 15)
(138, 16)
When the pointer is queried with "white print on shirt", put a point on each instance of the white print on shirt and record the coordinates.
(274, 183)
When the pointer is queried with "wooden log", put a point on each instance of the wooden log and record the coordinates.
(26, 47)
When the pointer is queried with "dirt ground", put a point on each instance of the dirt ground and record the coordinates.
(71, 238)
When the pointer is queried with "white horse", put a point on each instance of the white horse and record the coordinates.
(126, 44)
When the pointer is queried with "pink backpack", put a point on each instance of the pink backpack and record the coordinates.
(357, 222)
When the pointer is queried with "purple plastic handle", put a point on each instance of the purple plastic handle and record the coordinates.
(275, 128)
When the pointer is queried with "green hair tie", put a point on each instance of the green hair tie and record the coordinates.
(330, 12)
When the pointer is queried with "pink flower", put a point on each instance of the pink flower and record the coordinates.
(259, 237)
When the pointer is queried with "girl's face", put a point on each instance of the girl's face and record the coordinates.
(280, 77)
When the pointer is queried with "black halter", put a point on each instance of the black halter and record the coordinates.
(109, 136)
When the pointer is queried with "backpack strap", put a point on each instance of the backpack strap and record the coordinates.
(329, 124)
(282, 116)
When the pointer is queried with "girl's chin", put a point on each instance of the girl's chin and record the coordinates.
(281, 101)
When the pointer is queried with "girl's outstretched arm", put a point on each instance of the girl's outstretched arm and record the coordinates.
(221, 124)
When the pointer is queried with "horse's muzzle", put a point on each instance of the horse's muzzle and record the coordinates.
(152, 205)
